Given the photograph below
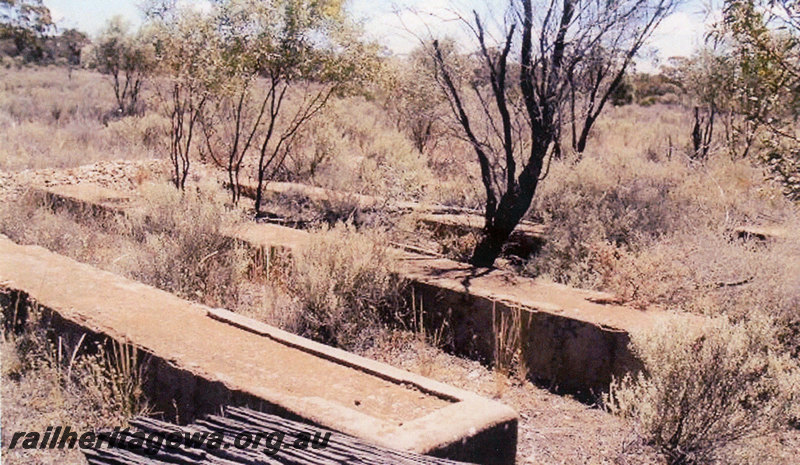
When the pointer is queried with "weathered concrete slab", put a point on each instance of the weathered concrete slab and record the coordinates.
(574, 339)
(526, 239)
(209, 357)
(269, 236)
(85, 198)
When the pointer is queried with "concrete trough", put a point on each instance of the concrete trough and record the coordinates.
(203, 358)
(574, 340)
(571, 339)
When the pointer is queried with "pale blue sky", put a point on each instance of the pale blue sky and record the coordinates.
(678, 34)
(90, 15)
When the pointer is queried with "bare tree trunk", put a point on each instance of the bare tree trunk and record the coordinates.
(512, 208)
(547, 66)
(702, 132)
(581, 145)
(184, 106)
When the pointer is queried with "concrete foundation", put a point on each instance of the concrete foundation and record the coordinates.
(572, 339)
(526, 239)
(201, 358)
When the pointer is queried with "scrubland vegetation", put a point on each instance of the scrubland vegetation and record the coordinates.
(645, 208)
(50, 120)
(49, 380)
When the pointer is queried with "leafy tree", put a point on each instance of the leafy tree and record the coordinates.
(415, 101)
(650, 88)
(187, 73)
(249, 74)
(314, 49)
(25, 23)
(127, 58)
(308, 50)
(760, 43)
(231, 126)
(704, 79)
(762, 47)
(523, 100)
(68, 46)
(624, 93)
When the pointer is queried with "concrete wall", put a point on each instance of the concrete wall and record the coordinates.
(568, 354)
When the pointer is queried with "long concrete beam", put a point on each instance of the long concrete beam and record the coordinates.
(204, 358)
(574, 339)
(526, 238)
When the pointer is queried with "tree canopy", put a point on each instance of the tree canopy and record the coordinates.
(25, 23)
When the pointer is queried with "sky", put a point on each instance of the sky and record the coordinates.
(678, 35)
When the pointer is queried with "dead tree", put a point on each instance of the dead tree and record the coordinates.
(518, 120)
(702, 131)
(126, 58)
(230, 131)
(187, 106)
(275, 142)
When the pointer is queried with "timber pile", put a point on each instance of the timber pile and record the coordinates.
(340, 448)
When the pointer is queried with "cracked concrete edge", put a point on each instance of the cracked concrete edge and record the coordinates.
(469, 416)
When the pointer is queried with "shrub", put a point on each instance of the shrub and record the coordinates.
(708, 272)
(783, 161)
(183, 249)
(595, 206)
(347, 285)
(356, 149)
(149, 131)
(50, 120)
(598, 210)
(706, 390)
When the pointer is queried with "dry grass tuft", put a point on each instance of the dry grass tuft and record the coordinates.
(181, 247)
(48, 380)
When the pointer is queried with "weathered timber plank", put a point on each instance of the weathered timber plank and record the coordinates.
(339, 449)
